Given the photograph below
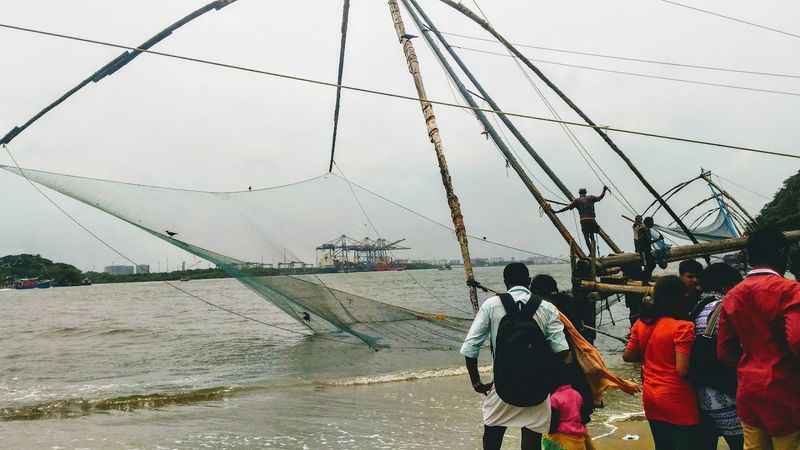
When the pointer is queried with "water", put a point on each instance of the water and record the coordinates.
(143, 365)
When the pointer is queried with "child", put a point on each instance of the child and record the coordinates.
(567, 427)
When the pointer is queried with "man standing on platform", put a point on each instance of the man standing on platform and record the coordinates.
(759, 333)
(585, 206)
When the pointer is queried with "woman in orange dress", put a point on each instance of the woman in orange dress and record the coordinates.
(663, 344)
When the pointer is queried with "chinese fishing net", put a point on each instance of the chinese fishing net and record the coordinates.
(234, 230)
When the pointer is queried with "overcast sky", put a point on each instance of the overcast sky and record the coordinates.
(174, 123)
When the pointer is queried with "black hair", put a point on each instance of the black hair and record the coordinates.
(649, 221)
(543, 284)
(690, 266)
(667, 296)
(719, 277)
(768, 247)
(582, 191)
(516, 274)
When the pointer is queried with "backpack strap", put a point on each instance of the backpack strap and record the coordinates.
(713, 318)
(509, 304)
(532, 306)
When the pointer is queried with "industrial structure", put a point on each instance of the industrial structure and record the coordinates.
(346, 254)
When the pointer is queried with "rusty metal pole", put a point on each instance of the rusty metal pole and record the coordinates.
(438, 146)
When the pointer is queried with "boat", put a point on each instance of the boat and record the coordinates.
(26, 283)
(44, 284)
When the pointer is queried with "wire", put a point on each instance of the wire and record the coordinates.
(398, 96)
(734, 19)
(640, 75)
(742, 187)
(449, 228)
(576, 143)
(631, 59)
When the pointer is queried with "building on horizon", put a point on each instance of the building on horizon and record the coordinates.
(119, 270)
(143, 268)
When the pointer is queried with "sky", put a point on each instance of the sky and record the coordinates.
(175, 123)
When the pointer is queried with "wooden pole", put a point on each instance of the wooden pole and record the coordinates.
(438, 146)
(682, 252)
(427, 26)
(467, 12)
(501, 145)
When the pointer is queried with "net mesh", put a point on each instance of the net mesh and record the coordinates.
(283, 226)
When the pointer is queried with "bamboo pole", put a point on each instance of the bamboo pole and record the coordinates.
(682, 252)
(492, 132)
(438, 146)
(467, 12)
(428, 26)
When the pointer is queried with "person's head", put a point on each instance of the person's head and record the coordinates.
(582, 192)
(648, 222)
(768, 247)
(666, 300)
(543, 284)
(719, 277)
(637, 220)
(690, 270)
(516, 274)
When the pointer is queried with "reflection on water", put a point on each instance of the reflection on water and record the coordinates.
(144, 366)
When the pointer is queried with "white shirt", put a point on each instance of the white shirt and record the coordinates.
(487, 321)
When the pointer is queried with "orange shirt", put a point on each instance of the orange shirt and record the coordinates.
(667, 396)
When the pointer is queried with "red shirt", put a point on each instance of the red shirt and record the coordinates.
(667, 396)
(759, 331)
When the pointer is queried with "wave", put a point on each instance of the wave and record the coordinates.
(402, 376)
(79, 407)
(69, 408)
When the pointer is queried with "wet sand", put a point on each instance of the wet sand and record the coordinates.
(634, 427)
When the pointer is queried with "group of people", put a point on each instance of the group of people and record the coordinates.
(720, 353)
(720, 357)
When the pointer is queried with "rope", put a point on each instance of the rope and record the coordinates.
(716, 145)
(578, 144)
(378, 234)
(449, 228)
(640, 75)
(734, 19)
(630, 59)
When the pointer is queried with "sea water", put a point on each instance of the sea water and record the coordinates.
(145, 366)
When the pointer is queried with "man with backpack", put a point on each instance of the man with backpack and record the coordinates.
(528, 343)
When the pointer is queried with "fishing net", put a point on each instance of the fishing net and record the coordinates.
(262, 236)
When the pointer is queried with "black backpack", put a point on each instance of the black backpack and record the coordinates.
(525, 369)
(704, 367)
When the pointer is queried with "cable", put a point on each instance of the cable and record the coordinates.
(447, 227)
(378, 234)
(398, 96)
(640, 75)
(742, 187)
(577, 144)
(731, 18)
(630, 59)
